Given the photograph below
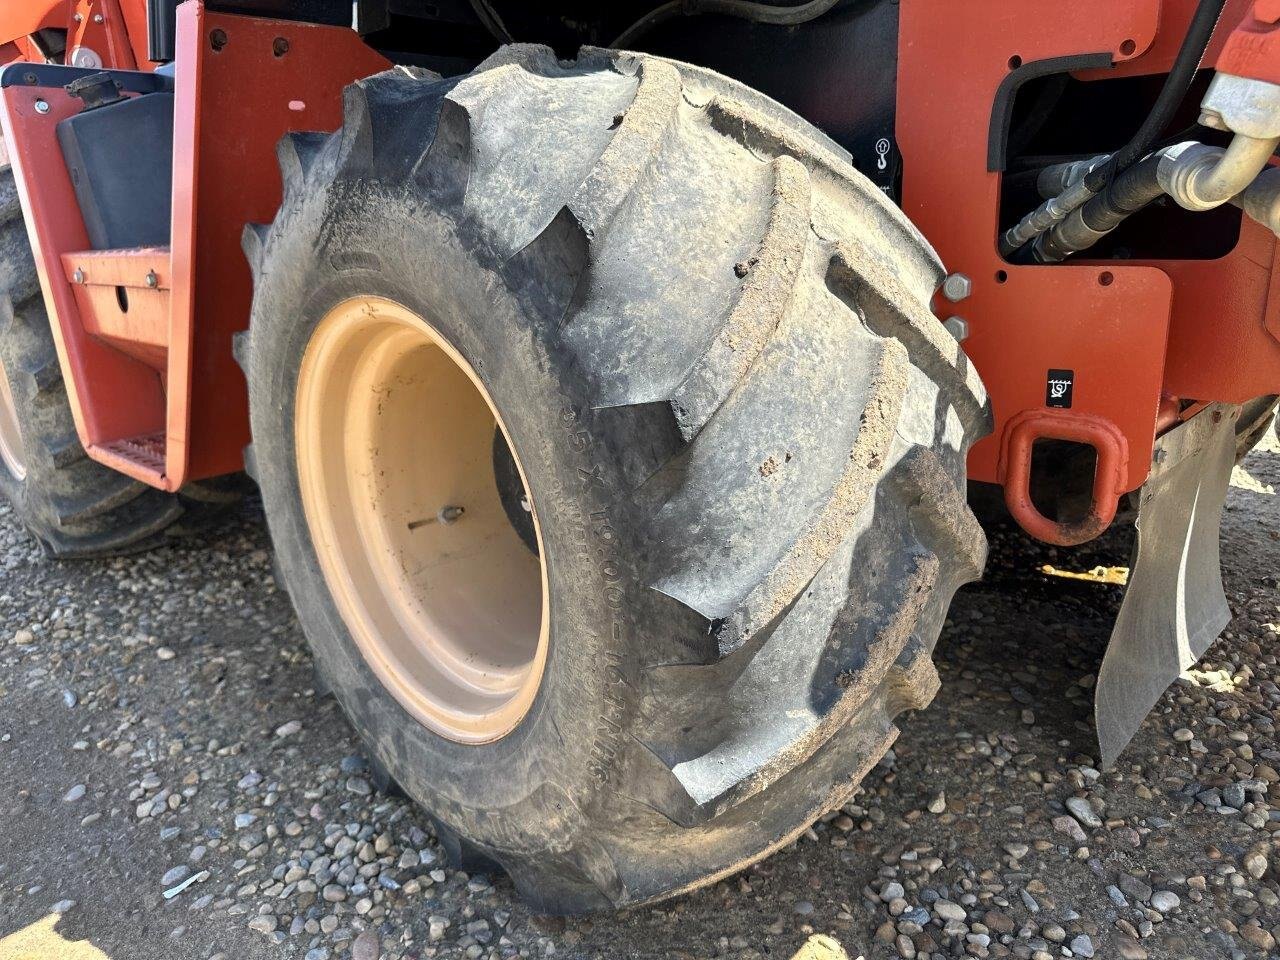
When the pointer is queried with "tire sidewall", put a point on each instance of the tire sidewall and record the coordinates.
(560, 755)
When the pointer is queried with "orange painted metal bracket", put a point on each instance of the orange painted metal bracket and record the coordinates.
(123, 299)
(144, 336)
(1108, 325)
(20, 18)
(1129, 331)
(1018, 441)
(114, 396)
(97, 37)
(1253, 49)
(243, 82)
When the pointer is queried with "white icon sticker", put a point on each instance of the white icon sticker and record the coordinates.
(883, 146)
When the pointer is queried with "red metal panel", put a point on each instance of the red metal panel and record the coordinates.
(236, 97)
(134, 13)
(1219, 344)
(123, 299)
(155, 390)
(1253, 49)
(113, 396)
(1174, 18)
(18, 18)
(97, 37)
(1108, 324)
(1218, 347)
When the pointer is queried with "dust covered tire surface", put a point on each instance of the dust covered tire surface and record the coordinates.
(74, 506)
(743, 430)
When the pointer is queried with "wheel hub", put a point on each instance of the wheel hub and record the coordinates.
(395, 437)
(12, 456)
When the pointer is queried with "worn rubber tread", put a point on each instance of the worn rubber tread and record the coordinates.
(857, 530)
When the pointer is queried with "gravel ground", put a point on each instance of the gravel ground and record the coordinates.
(158, 726)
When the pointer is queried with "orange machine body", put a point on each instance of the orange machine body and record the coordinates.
(154, 386)
(157, 394)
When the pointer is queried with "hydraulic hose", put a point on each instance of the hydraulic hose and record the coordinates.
(742, 9)
(1128, 193)
(1195, 176)
(1201, 178)
(1077, 187)
(1203, 22)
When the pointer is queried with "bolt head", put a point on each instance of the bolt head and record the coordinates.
(958, 327)
(78, 276)
(152, 279)
(98, 18)
(957, 287)
(42, 106)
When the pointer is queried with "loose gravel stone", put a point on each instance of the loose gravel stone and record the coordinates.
(289, 729)
(366, 946)
(1257, 937)
(972, 838)
(1079, 808)
(948, 910)
(1135, 887)
(1081, 946)
(1255, 864)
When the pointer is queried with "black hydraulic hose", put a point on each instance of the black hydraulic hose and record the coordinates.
(1132, 190)
(742, 9)
(1203, 23)
(1073, 233)
(1129, 193)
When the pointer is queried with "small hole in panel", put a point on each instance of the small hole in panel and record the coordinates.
(218, 39)
(280, 46)
(1002, 276)
(1128, 48)
(297, 106)
(1106, 278)
(1015, 62)
(122, 299)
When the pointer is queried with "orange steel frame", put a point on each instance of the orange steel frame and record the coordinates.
(157, 394)
(155, 390)
(1134, 333)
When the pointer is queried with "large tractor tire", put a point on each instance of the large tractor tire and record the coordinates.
(613, 460)
(74, 507)
(1256, 419)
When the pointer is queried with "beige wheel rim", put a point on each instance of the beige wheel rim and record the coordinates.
(11, 452)
(394, 431)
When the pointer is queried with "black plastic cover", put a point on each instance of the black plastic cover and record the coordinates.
(120, 159)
